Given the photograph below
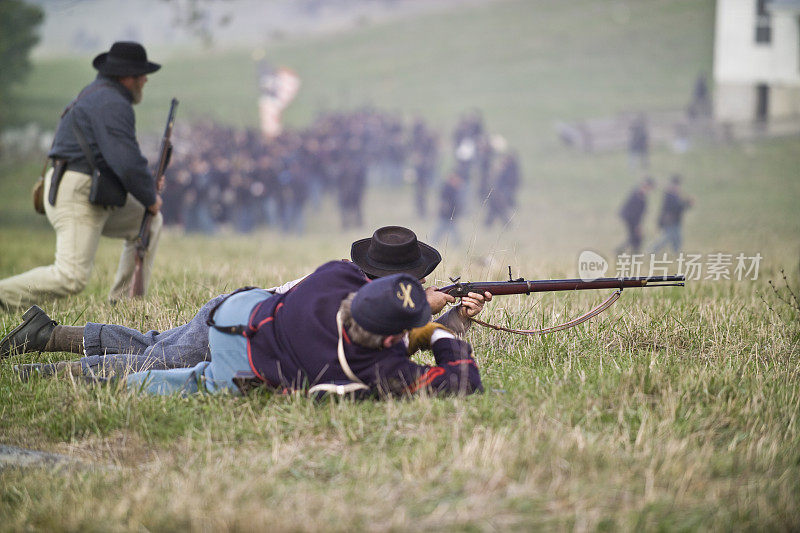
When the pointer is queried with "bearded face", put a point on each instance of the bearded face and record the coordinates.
(137, 88)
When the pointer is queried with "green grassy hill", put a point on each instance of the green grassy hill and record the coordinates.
(677, 409)
(524, 63)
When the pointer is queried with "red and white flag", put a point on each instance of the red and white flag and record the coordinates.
(278, 88)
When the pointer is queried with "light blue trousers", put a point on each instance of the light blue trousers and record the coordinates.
(228, 355)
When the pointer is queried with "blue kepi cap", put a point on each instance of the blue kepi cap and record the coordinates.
(391, 305)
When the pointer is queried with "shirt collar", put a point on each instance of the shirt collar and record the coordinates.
(116, 85)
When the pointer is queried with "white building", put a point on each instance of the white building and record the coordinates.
(757, 60)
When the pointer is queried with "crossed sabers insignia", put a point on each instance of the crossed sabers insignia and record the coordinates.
(404, 294)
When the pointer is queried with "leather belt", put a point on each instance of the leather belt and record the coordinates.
(76, 166)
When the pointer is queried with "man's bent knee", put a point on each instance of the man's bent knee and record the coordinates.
(156, 225)
(157, 222)
(75, 281)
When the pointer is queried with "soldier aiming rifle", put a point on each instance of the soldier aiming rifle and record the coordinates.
(390, 250)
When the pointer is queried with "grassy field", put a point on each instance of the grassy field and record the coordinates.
(677, 409)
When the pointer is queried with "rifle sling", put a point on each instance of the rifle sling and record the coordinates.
(566, 325)
(87, 153)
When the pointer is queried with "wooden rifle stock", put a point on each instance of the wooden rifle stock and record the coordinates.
(143, 240)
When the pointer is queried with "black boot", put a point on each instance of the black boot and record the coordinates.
(30, 336)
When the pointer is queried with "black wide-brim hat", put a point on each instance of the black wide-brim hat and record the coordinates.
(125, 58)
(394, 249)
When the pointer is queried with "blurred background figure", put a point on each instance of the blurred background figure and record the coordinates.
(680, 140)
(503, 194)
(484, 158)
(424, 157)
(638, 144)
(700, 105)
(466, 136)
(670, 219)
(632, 212)
(450, 199)
(352, 182)
(196, 207)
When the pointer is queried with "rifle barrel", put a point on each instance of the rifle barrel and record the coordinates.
(164, 149)
(143, 239)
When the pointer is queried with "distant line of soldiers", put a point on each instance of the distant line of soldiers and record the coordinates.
(221, 175)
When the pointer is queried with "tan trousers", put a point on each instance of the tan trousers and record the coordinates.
(79, 225)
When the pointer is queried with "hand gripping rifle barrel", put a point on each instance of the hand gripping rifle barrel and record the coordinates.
(143, 240)
(522, 286)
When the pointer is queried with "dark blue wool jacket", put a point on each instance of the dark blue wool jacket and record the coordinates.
(295, 344)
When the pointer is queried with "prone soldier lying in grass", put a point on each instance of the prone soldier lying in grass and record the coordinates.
(118, 349)
(335, 331)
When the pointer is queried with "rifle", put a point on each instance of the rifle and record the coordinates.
(143, 239)
(523, 286)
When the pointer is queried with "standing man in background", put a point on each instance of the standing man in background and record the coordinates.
(97, 131)
(632, 212)
(450, 199)
(670, 219)
(638, 144)
(502, 197)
